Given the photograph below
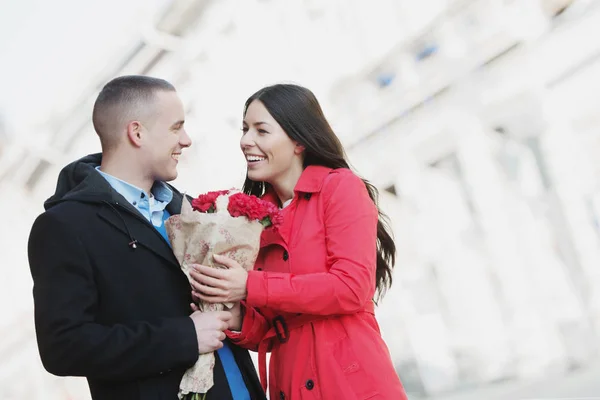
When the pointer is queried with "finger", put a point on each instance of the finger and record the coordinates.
(208, 291)
(226, 261)
(208, 280)
(215, 326)
(224, 315)
(209, 271)
(195, 296)
(194, 307)
(219, 324)
(211, 344)
(221, 336)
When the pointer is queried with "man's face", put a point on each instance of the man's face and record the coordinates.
(165, 136)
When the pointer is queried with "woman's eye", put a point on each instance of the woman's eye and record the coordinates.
(262, 131)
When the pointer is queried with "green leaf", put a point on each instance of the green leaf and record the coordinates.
(266, 221)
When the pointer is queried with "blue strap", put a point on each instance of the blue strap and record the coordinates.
(238, 388)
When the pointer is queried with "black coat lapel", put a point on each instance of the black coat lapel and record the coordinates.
(174, 207)
(128, 221)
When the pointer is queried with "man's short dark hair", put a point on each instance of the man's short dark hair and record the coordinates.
(121, 100)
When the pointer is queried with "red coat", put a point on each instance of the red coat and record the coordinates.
(315, 281)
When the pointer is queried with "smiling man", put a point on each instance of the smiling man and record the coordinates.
(111, 301)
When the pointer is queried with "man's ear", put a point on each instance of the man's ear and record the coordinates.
(134, 133)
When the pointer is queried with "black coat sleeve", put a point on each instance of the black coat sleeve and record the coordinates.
(70, 341)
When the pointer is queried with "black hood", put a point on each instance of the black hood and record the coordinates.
(79, 181)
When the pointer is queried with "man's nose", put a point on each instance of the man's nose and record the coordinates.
(186, 140)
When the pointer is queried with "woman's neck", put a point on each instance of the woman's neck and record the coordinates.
(285, 185)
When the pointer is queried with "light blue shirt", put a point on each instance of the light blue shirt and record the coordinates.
(150, 205)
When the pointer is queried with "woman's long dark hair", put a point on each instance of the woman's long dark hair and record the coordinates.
(299, 114)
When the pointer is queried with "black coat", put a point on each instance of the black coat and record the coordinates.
(115, 313)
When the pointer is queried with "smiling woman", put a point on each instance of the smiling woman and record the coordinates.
(270, 153)
(309, 299)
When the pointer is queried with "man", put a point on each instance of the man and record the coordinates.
(111, 301)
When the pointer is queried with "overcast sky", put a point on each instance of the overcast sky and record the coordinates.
(48, 49)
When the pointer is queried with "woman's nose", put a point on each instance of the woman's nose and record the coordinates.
(246, 141)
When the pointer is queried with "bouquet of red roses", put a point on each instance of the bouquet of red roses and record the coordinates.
(226, 222)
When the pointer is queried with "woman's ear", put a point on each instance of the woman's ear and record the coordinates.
(299, 149)
(134, 133)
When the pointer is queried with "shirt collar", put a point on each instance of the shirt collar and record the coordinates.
(132, 194)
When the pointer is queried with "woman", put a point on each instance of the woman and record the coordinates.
(309, 299)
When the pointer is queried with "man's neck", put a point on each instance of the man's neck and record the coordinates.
(127, 173)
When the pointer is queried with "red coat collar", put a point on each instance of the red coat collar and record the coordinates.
(312, 178)
(311, 181)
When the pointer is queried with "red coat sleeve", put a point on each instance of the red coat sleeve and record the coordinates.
(254, 328)
(350, 218)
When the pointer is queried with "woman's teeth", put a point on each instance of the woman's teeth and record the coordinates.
(255, 158)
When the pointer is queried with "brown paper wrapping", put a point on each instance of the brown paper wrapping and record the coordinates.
(195, 237)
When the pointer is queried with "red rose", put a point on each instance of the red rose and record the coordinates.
(206, 202)
(253, 208)
(241, 205)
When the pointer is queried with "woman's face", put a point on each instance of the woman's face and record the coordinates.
(270, 154)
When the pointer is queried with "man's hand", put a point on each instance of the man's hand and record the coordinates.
(237, 315)
(210, 327)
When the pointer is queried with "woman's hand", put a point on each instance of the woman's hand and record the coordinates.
(237, 317)
(214, 285)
